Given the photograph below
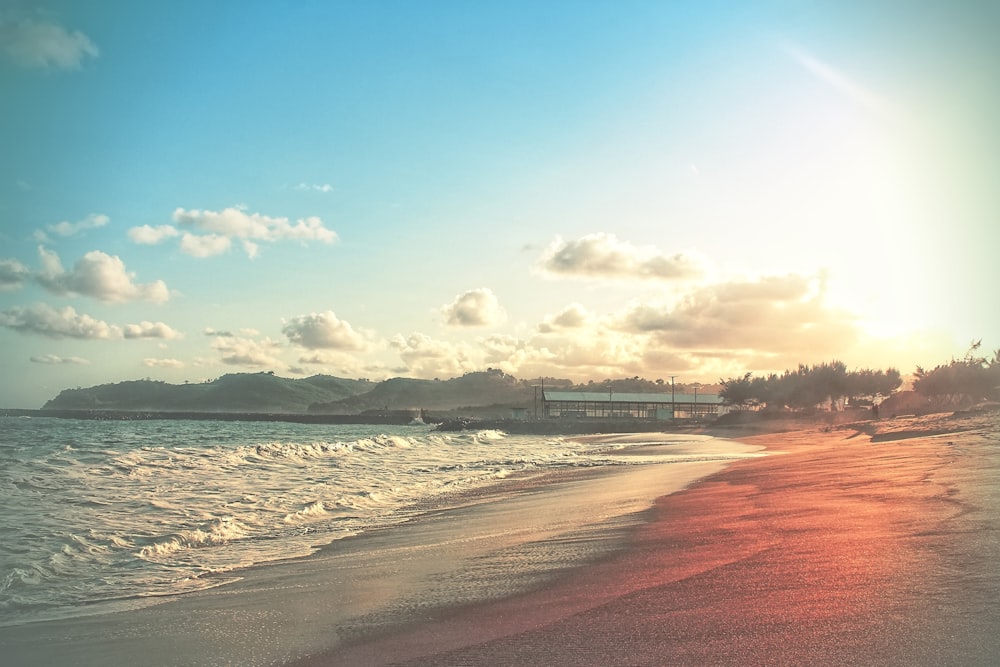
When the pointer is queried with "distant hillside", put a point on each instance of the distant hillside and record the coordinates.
(238, 392)
(492, 387)
(488, 393)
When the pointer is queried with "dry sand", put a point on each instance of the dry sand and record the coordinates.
(838, 551)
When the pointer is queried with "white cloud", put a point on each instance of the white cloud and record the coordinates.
(605, 256)
(426, 358)
(31, 43)
(12, 274)
(314, 187)
(236, 223)
(839, 81)
(207, 245)
(478, 307)
(324, 331)
(149, 235)
(57, 360)
(251, 249)
(150, 330)
(339, 363)
(248, 352)
(162, 363)
(65, 228)
(572, 316)
(97, 275)
(45, 320)
(779, 315)
(587, 352)
(768, 323)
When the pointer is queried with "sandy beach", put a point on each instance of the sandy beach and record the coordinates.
(866, 545)
(835, 550)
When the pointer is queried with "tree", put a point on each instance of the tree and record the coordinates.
(871, 384)
(807, 387)
(738, 391)
(969, 379)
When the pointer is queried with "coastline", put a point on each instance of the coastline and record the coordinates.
(840, 550)
(457, 552)
(836, 548)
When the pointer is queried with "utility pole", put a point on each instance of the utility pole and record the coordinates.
(673, 406)
(543, 398)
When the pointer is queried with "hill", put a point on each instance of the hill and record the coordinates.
(472, 390)
(488, 394)
(237, 392)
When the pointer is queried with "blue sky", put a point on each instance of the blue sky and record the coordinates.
(571, 189)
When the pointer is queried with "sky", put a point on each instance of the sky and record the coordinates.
(581, 190)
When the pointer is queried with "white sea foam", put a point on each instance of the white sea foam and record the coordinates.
(108, 510)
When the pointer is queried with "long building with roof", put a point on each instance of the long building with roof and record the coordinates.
(625, 405)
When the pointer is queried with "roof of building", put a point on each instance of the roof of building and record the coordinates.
(630, 397)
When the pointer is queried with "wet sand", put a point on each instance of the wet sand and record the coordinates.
(456, 552)
(837, 551)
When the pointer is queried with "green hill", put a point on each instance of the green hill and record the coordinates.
(238, 392)
(487, 388)
(485, 393)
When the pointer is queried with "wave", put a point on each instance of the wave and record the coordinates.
(215, 532)
(163, 506)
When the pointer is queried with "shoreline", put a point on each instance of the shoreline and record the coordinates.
(830, 549)
(839, 551)
(464, 550)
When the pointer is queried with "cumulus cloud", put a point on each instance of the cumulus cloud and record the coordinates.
(324, 331)
(572, 316)
(206, 245)
(768, 323)
(150, 330)
(149, 235)
(587, 352)
(43, 44)
(211, 233)
(12, 274)
(66, 228)
(44, 320)
(97, 275)
(475, 308)
(774, 314)
(426, 357)
(162, 363)
(236, 351)
(236, 223)
(605, 256)
(344, 364)
(57, 360)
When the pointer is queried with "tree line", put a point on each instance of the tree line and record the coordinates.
(809, 386)
(972, 378)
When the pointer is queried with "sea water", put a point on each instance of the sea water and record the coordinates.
(96, 512)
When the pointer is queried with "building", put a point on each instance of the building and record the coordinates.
(629, 405)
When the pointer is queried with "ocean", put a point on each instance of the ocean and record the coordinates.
(100, 515)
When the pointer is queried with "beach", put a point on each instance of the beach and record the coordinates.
(834, 550)
(873, 544)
